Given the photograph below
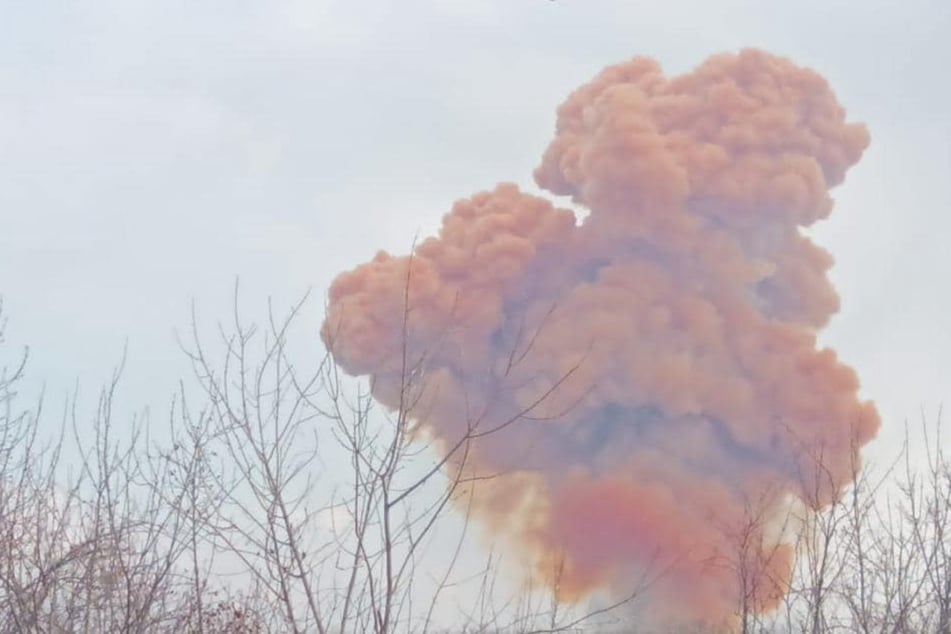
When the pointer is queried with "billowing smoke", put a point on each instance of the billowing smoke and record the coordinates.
(643, 383)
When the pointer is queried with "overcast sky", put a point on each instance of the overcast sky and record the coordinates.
(152, 151)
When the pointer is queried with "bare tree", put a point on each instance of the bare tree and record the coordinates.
(328, 503)
(92, 533)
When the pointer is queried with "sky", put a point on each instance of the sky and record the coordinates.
(153, 152)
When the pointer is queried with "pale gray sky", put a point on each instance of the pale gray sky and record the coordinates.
(151, 151)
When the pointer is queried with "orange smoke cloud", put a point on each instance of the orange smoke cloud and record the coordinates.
(649, 372)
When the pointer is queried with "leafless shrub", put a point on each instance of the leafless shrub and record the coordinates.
(278, 498)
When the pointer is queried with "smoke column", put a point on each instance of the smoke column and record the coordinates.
(645, 379)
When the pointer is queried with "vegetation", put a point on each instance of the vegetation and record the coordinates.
(278, 500)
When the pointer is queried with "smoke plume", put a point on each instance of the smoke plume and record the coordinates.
(643, 383)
